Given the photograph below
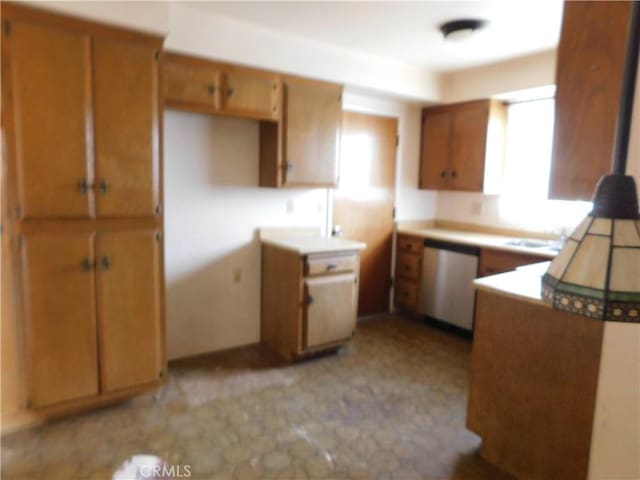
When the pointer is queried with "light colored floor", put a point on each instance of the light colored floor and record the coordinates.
(389, 406)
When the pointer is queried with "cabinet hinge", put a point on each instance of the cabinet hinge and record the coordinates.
(157, 55)
(158, 236)
(158, 209)
(6, 26)
(393, 213)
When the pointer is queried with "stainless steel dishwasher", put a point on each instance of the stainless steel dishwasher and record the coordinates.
(448, 271)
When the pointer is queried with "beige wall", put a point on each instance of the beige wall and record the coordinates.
(520, 73)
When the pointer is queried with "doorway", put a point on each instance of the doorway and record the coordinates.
(363, 204)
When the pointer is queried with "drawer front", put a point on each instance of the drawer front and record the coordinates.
(410, 244)
(408, 266)
(406, 294)
(327, 264)
(499, 261)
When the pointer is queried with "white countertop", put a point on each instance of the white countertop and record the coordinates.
(305, 245)
(524, 283)
(496, 242)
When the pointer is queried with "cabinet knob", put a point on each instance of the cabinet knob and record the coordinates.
(288, 166)
(104, 186)
(454, 174)
(212, 88)
(83, 186)
(310, 300)
(106, 263)
(443, 174)
(87, 265)
(229, 91)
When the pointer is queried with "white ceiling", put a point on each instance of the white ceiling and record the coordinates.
(408, 31)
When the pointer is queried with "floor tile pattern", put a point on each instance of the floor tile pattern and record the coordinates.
(391, 406)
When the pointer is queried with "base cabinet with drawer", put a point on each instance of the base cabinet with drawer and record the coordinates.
(309, 302)
(408, 272)
(493, 262)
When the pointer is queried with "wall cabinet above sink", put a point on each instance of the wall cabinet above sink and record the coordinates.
(463, 146)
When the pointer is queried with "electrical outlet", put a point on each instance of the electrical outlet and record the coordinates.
(290, 206)
(476, 207)
(237, 275)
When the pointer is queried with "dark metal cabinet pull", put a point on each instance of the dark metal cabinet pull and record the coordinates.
(443, 174)
(104, 186)
(230, 91)
(454, 174)
(332, 266)
(83, 186)
(106, 263)
(212, 88)
(310, 300)
(87, 265)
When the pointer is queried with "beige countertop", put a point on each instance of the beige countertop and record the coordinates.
(305, 245)
(524, 283)
(483, 240)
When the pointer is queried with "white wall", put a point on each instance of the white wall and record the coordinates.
(213, 209)
(201, 33)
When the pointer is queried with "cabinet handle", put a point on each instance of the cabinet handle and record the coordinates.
(106, 263)
(87, 265)
(309, 300)
(332, 266)
(212, 88)
(443, 174)
(83, 186)
(104, 186)
(454, 174)
(288, 166)
(229, 91)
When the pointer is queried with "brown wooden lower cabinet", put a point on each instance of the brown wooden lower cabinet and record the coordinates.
(406, 289)
(92, 309)
(493, 262)
(309, 302)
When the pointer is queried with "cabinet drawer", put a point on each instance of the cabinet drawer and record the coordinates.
(406, 294)
(323, 264)
(410, 244)
(408, 266)
(498, 261)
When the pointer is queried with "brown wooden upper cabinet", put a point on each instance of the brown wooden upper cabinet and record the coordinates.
(303, 149)
(84, 113)
(196, 84)
(588, 87)
(459, 143)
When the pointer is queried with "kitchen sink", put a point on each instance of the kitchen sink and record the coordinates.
(534, 243)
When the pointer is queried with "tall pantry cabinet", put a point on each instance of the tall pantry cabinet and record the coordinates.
(81, 119)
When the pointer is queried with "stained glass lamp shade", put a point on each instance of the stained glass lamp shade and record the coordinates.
(597, 273)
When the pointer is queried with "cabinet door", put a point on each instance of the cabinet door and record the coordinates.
(468, 147)
(126, 128)
(436, 145)
(50, 74)
(330, 313)
(589, 82)
(190, 84)
(60, 323)
(251, 94)
(311, 132)
(129, 308)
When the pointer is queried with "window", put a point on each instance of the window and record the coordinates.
(527, 167)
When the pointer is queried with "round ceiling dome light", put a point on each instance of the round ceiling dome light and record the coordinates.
(462, 29)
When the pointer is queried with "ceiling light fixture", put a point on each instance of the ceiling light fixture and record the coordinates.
(597, 273)
(462, 29)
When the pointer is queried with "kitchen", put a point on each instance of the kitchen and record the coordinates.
(215, 216)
